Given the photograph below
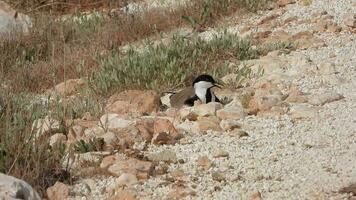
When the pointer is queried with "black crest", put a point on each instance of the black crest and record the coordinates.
(204, 77)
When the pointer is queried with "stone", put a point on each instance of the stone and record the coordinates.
(187, 113)
(349, 20)
(256, 196)
(268, 64)
(180, 193)
(282, 3)
(204, 162)
(268, 18)
(238, 133)
(58, 191)
(229, 125)
(208, 109)
(13, 188)
(221, 153)
(141, 169)
(296, 96)
(167, 156)
(114, 121)
(107, 161)
(233, 112)
(326, 68)
(300, 111)
(43, 126)
(126, 179)
(146, 129)
(75, 162)
(205, 124)
(69, 87)
(56, 139)
(319, 100)
(305, 2)
(110, 139)
(134, 102)
(162, 138)
(166, 100)
(165, 126)
(76, 132)
(218, 176)
(125, 194)
(11, 20)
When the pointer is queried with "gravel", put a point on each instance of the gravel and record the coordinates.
(282, 158)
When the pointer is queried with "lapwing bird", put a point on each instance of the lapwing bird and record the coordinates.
(200, 90)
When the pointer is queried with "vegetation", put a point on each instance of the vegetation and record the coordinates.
(58, 49)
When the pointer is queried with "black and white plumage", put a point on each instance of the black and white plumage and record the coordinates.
(200, 90)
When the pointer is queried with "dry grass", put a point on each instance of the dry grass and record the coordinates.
(56, 50)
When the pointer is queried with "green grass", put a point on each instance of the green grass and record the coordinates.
(167, 65)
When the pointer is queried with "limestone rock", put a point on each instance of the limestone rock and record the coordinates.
(69, 87)
(233, 112)
(13, 188)
(208, 109)
(56, 139)
(163, 156)
(113, 121)
(42, 126)
(319, 100)
(11, 20)
(58, 191)
(350, 20)
(126, 179)
(134, 102)
(204, 162)
(141, 169)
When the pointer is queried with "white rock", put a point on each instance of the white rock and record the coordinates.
(126, 179)
(319, 100)
(232, 112)
(41, 126)
(13, 188)
(111, 121)
(11, 20)
(299, 111)
(229, 124)
(57, 139)
(208, 109)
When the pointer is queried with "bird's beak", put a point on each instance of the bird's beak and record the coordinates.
(219, 85)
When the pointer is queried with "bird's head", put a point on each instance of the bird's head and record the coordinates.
(204, 82)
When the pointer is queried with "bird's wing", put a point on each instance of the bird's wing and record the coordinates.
(182, 97)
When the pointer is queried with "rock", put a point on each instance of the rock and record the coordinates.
(165, 126)
(146, 129)
(163, 156)
(350, 20)
(296, 96)
(58, 191)
(56, 139)
(238, 133)
(76, 132)
(187, 113)
(205, 124)
(319, 100)
(305, 2)
(162, 138)
(221, 153)
(267, 64)
(256, 196)
(125, 194)
(69, 87)
(126, 179)
(299, 111)
(111, 140)
(76, 161)
(165, 100)
(326, 68)
(218, 176)
(180, 193)
(11, 20)
(229, 125)
(107, 161)
(282, 3)
(208, 109)
(268, 18)
(134, 102)
(141, 169)
(349, 189)
(233, 112)
(43, 126)
(13, 188)
(114, 121)
(204, 162)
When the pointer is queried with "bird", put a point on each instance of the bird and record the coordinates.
(199, 90)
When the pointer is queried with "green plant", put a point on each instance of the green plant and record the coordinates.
(94, 144)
